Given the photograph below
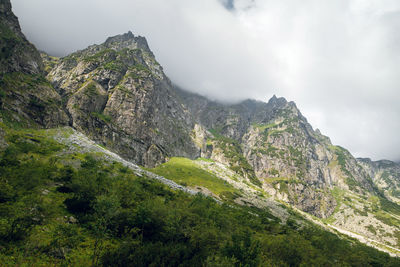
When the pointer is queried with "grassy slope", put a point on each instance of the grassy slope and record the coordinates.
(63, 208)
(185, 172)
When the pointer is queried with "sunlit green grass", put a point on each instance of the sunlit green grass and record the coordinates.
(186, 172)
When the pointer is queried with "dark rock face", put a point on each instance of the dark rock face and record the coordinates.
(25, 95)
(16, 53)
(3, 143)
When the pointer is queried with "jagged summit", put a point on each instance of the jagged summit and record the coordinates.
(277, 100)
(127, 40)
(382, 162)
(121, 37)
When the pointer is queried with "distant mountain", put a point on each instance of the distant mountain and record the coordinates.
(386, 175)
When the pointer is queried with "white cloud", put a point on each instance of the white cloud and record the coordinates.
(338, 60)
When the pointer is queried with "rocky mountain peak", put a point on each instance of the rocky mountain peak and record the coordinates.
(127, 40)
(277, 101)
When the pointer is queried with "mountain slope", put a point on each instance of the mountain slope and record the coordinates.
(117, 94)
(17, 54)
(86, 206)
(252, 154)
(386, 175)
(25, 95)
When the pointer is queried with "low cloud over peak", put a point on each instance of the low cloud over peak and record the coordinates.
(338, 60)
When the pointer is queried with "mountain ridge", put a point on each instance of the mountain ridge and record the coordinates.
(204, 119)
(117, 94)
(270, 144)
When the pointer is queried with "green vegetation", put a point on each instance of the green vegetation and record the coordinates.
(276, 133)
(19, 80)
(102, 117)
(118, 61)
(276, 179)
(372, 229)
(395, 193)
(204, 159)
(8, 42)
(49, 62)
(273, 172)
(342, 155)
(104, 55)
(386, 177)
(140, 67)
(139, 71)
(186, 172)
(262, 127)
(338, 194)
(90, 89)
(36, 92)
(116, 66)
(387, 219)
(66, 209)
(270, 151)
(6, 33)
(389, 206)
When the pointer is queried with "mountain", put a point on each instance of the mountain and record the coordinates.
(386, 175)
(283, 182)
(25, 94)
(118, 94)
(17, 54)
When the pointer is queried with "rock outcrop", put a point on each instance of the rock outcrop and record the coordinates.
(118, 94)
(386, 176)
(294, 163)
(16, 53)
(26, 96)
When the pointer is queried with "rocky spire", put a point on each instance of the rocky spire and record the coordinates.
(277, 101)
(127, 40)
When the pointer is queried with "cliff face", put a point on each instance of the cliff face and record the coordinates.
(386, 176)
(274, 147)
(118, 94)
(291, 160)
(16, 53)
(25, 95)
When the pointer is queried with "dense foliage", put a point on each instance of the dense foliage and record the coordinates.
(63, 208)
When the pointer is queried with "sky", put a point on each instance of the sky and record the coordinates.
(338, 60)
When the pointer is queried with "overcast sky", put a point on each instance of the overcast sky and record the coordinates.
(339, 60)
